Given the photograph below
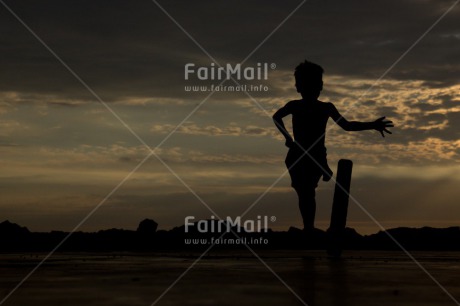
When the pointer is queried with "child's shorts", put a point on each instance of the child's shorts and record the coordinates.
(304, 172)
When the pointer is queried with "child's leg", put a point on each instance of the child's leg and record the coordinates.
(307, 206)
(327, 172)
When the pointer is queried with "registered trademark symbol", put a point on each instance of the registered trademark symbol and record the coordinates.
(272, 218)
(273, 67)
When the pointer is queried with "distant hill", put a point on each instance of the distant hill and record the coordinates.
(15, 238)
(11, 229)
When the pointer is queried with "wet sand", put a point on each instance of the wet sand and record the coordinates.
(232, 278)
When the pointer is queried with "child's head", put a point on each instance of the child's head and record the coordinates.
(309, 79)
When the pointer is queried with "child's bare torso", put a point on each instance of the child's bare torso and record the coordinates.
(309, 119)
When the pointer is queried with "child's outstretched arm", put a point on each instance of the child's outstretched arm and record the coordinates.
(278, 120)
(380, 124)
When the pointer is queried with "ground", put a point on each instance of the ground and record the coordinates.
(232, 278)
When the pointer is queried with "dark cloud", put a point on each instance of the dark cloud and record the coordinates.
(133, 49)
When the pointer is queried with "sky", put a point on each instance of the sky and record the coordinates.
(77, 116)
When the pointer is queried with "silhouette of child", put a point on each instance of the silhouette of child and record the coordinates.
(306, 158)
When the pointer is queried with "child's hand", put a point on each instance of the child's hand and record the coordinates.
(289, 143)
(381, 125)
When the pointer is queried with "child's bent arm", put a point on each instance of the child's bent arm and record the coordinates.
(278, 120)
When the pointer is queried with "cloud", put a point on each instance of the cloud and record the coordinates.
(212, 130)
(392, 201)
(143, 54)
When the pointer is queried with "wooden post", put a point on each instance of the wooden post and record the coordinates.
(339, 208)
